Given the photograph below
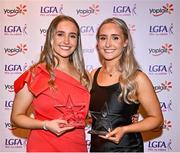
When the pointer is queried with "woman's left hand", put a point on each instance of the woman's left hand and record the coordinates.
(115, 135)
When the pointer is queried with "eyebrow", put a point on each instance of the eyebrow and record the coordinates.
(111, 35)
(69, 33)
(115, 35)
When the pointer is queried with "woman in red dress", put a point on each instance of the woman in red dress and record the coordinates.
(57, 88)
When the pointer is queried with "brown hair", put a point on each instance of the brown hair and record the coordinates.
(48, 57)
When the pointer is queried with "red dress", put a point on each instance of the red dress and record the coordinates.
(52, 103)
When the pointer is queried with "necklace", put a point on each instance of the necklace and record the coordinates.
(110, 74)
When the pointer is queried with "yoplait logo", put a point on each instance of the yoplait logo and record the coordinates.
(168, 8)
(167, 48)
(21, 9)
(21, 48)
(94, 9)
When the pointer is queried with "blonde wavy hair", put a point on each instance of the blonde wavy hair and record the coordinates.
(128, 65)
(49, 58)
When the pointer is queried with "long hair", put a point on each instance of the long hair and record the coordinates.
(128, 65)
(49, 58)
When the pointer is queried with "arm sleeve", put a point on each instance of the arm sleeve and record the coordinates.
(36, 83)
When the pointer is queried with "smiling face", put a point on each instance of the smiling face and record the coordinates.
(111, 41)
(65, 39)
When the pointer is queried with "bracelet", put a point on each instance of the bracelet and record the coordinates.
(44, 126)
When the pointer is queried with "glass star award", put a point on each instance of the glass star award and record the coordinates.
(72, 113)
(102, 120)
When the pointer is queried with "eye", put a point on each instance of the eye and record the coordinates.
(60, 34)
(102, 38)
(74, 36)
(115, 37)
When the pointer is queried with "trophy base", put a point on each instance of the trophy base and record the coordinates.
(98, 132)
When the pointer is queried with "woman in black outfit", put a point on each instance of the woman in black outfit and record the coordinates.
(119, 87)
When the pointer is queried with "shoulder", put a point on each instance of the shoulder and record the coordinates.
(38, 68)
(141, 77)
(36, 78)
(31, 73)
(143, 81)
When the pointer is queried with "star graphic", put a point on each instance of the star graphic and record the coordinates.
(103, 121)
(72, 113)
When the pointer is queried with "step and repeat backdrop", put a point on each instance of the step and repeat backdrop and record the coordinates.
(154, 25)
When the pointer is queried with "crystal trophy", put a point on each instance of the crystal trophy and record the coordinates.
(102, 120)
(72, 113)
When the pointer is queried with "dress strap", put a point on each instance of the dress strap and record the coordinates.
(95, 76)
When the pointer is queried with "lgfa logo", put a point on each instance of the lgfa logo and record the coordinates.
(15, 68)
(87, 30)
(8, 104)
(159, 145)
(161, 29)
(51, 10)
(168, 8)
(94, 9)
(166, 106)
(15, 30)
(160, 69)
(21, 9)
(15, 143)
(124, 10)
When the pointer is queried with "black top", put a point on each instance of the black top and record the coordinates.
(105, 98)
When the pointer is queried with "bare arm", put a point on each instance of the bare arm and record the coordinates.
(148, 99)
(19, 117)
(22, 102)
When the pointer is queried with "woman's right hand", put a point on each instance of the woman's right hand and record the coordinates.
(135, 118)
(58, 126)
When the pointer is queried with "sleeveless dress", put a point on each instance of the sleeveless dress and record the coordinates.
(122, 113)
(68, 99)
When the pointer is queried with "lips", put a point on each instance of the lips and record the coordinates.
(65, 47)
(109, 50)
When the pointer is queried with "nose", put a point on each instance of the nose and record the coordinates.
(66, 39)
(108, 42)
